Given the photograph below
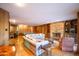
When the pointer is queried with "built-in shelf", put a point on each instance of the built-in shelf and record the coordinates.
(71, 28)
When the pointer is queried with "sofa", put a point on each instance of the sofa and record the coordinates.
(36, 41)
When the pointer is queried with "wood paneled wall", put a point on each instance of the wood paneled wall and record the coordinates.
(24, 28)
(78, 33)
(4, 27)
(45, 29)
(48, 29)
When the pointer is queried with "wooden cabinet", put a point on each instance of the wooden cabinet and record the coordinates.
(4, 27)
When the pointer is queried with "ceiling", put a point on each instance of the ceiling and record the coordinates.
(41, 13)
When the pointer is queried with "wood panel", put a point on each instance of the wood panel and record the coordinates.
(24, 28)
(45, 29)
(78, 33)
(4, 27)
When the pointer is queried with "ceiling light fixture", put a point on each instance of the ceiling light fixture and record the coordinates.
(12, 20)
(20, 4)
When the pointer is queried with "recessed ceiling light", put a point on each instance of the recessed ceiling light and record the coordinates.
(12, 20)
(20, 4)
